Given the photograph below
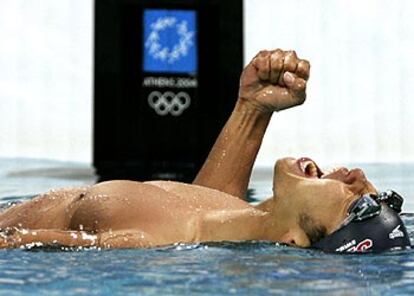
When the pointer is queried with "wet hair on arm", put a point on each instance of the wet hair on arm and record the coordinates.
(314, 231)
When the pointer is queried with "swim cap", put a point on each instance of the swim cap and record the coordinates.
(381, 231)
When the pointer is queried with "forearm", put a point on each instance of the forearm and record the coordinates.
(113, 239)
(228, 166)
(23, 237)
(273, 81)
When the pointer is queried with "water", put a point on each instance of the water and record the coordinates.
(258, 268)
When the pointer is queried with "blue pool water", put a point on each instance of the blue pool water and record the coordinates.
(207, 269)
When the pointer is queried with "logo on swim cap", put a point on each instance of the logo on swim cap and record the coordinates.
(396, 232)
(346, 246)
(353, 247)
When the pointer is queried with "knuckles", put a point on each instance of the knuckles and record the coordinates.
(263, 53)
(267, 69)
(281, 61)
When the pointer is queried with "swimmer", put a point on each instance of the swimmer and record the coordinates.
(335, 212)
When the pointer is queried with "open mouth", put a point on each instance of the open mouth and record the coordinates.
(309, 168)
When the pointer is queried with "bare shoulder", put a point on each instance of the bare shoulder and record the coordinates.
(122, 186)
(179, 187)
(200, 193)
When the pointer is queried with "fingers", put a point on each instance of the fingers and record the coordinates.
(291, 61)
(296, 86)
(270, 65)
(303, 69)
(262, 64)
(276, 65)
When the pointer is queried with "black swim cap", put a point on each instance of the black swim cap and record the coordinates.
(381, 232)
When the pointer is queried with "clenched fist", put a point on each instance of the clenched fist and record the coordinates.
(275, 80)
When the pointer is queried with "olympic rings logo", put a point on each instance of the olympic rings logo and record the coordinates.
(169, 102)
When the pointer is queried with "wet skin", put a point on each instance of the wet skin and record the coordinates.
(127, 214)
(325, 198)
(133, 214)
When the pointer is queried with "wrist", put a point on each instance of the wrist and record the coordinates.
(253, 107)
(252, 119)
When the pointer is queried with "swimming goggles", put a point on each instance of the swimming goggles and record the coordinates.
(372, 225)
(369, 206)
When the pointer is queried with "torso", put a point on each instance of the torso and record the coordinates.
(169, 211)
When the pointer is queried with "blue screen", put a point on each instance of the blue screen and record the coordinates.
(170, 41)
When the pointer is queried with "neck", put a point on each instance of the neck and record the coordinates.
(255, 223)
(274, 226)
(266, 205)
(232, 225)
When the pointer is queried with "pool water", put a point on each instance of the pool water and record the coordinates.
(251, 268)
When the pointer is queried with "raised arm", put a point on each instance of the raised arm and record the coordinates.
(272, 81)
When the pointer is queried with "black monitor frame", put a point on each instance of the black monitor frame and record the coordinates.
(128, 141)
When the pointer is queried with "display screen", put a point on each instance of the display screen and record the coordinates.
(170, 41)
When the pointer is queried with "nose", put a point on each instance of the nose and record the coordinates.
(359, 182)
(355, 175)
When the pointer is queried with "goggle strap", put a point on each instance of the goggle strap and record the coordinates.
(360, 213)
(348, 220)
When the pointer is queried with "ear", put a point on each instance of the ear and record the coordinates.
(288, 238)
(295, 238)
